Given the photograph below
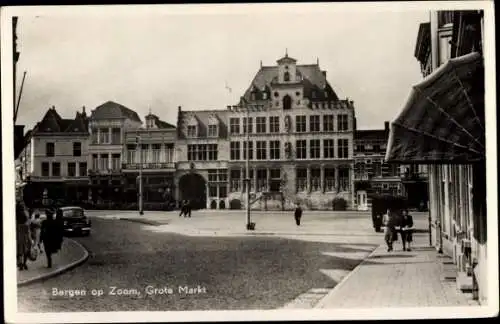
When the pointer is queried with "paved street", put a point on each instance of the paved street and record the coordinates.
(232, 273)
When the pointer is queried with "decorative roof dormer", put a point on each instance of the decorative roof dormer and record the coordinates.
(192, 126)
(287, 69)
(213, 126)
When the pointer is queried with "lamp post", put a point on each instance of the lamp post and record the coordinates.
(141, 212)
(247, 176)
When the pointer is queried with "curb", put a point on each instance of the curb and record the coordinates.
(142, 221)
(60, 270)
(321, 303)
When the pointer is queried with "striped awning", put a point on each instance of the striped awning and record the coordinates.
(443, 118)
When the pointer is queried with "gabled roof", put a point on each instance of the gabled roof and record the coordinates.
(312, 79)
(158, 122)
(52, 122)
(111, 110)
(286, 59)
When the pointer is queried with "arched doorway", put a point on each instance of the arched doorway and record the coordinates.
(287, 102)
(192, 187)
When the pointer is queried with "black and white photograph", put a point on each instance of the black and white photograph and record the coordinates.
(278, 161)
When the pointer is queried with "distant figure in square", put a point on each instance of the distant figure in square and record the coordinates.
(298, 214)
(188, 209)
(389, 221)
(183, 208)
(51, 236)
(406, 230)
(36, 227)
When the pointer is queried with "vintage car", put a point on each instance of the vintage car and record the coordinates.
(75, 221)
(380, 205)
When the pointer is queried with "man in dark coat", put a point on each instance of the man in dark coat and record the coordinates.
(406, 230)
(298, 214)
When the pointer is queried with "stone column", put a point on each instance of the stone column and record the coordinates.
(268, 179)
(255, 180)
(337, 180)
(322, 178)
(98, 135)
(308, 184)
(110, 161)
(110, 132)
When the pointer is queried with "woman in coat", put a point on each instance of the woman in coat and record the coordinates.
(23, 237)
(51, 237)
(389, 221)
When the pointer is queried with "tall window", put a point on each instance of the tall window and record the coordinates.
(191, 131)
(156, 153)
(328, 149)
(202, 152)
(274, 150)
(212, 130)
(77, 149)
(83, 169)
(261, 150)
(104, 162)
(192, 152)
(328, 123)
(235, 184)
(315, 149)
(93, 135)
(144, 153)
(234, 124)
(49, 149)
(56, 169)
(261, 124)
(343, 148)
(104, 136)
(274, 124)
(287, 102)
(212, 152)
(342, 123)
(250, 127)
(250, 150)
(71, 169)
(314, 123)
(116, 136)
(286, 76)
(169, 153)
(95, 162)
(131, 153)
(234, 150)
(115, 163)
(377, 169)
(301, 146)
(45, 169)
(301, 176)
(343, 179)
(261, 178)
(315, 179)
(300, 124)
(329, 179)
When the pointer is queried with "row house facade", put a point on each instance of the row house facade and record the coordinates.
(150, 150)
(374, 176)
(108, 124)
(452, 42)
(298, 136)
(54, 157)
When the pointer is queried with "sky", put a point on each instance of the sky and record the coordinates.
(159, 60)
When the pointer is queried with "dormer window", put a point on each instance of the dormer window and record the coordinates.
(286, 76)
(212, 131)
(313, 94)
(191, 131)
(264, 95)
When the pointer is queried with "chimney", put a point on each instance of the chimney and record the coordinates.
(83, 110)
(386, 125)
(179, 108)
(354, 123)
(324, 73)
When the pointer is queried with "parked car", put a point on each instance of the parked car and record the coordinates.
(75, 221)
(380, 204)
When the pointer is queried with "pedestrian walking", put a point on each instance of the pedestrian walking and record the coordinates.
(36, 228)
(183, 208)
(51, 236)
(23, 237)
(390, 234)
(188, 209)
(406, 230)
(298, 214)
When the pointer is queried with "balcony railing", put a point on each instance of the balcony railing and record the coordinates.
(136, 166)
(103, 171)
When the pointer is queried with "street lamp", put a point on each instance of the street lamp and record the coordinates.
(141, 211)
(250, 225)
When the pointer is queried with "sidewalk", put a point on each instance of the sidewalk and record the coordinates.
(398, 279)
(71, 255)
